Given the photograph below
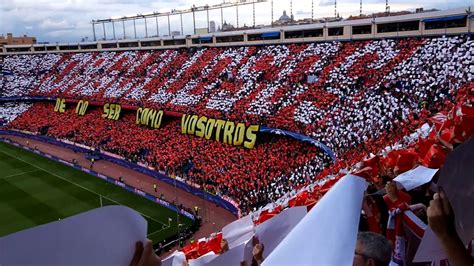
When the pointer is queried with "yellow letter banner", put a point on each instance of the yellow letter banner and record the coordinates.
(60, 105)
(81, 107)
(227, 132)
(111, 111)
(149, 117)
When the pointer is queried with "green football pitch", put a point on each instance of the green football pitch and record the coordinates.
(35, 190)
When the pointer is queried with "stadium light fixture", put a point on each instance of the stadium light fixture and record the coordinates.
(253, 13)
(113, 29)
(134, 29)
(291, 8)
(271, 2)
(157, 27)
(169, 25)
(237, 14)
(193, 9)
(93, 30)
(103, 27)
(181, 21)
(123, 28)
(146, 28)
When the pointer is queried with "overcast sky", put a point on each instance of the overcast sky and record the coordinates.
(69, 20)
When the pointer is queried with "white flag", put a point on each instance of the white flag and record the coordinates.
(327, 234)
(415, 177)
(272, 232)
(238, 231)
(103, 236)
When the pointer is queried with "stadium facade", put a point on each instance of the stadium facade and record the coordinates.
(436, 23)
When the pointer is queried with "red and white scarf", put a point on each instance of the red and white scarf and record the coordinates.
(401, 221)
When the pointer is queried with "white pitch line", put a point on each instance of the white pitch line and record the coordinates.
(158, 231)
(23, 173)
(67, 180)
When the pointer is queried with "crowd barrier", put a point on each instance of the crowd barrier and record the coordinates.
(227, 203)
(26, 98)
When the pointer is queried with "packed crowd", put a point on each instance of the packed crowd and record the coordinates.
(356, 97)
(219, 168)
(10, 111)
(265, 85)
(23, 72)
(400, 214)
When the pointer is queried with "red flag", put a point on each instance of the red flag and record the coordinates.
(435, 157)
(406, 160)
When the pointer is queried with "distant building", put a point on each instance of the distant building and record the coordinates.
(284, 19)
(10, 40)
(175, 33)
(227, 26)
(212, 26)
(422, 10)
(379, 15)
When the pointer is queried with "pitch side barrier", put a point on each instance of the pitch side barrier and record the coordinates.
(227, 204)
(26, 98)
(106, 178)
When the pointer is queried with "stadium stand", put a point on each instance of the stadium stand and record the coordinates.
(369, 101)
(357, 103)
(428, 146)
(10, 111)
(364, 95)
